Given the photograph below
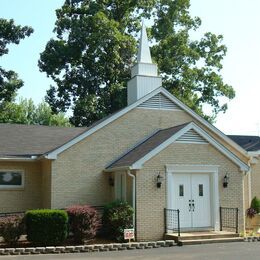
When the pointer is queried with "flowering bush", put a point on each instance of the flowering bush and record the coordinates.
(11, 228)
(84, 222)
(251, 212)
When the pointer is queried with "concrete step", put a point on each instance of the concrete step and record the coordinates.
(200, 236)
(210, 241)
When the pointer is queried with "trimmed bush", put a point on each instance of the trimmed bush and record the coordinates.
(255, 204)
(84, 222)
(117, 216)
(11, 228)
(46, 226)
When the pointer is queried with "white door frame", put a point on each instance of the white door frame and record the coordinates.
(214, 190)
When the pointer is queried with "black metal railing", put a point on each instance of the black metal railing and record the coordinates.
(228, 218)
(172, 220)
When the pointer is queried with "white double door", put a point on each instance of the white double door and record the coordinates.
(191, 195)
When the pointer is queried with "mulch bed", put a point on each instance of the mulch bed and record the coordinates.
(22, 243)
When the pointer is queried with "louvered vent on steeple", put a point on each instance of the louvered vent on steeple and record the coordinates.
(159, 101)
(191, 137)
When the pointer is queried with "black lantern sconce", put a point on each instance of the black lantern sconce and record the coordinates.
(159, 180)
(225, 181)
(111, 181)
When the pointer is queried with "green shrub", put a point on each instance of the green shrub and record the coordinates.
(11, 228)
(117, 216)
(46, 226)
(84, 222)
(255, 204)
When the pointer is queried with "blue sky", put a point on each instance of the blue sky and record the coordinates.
(237, 20)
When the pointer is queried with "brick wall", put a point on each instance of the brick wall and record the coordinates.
(151, 201)
(21, 199)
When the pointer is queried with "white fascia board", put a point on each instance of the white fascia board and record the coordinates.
(18, 159)
(54, 153)
(254, 153)
(138, 164)
(204, 122)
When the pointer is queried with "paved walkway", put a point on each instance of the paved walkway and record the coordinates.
(228, 251)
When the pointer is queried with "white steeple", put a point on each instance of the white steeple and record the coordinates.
(144, 74)
(144, 55)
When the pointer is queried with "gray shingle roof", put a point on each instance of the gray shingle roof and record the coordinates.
(249, 143)
(28, 140)
(145, 147)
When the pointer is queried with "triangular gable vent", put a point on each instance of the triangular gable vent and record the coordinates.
(159, 101)
(191, 137)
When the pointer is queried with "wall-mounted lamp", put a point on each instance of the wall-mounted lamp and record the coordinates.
(111, 181)
(159, 180)
(225, 181)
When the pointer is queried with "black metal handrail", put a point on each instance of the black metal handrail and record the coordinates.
(228, 218)
(172, 220)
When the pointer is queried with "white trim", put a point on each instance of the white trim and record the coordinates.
(11, 187)
(214, 188)
(138, 164)
(19, 159)
(53, 154)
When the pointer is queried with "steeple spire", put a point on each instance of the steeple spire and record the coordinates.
(144, 74)
(144, 55)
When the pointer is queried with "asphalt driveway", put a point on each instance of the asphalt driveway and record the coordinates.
(228, 251)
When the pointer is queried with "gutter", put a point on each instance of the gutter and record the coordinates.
(19, 159)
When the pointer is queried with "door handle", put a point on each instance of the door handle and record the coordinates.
(193, 205)
(190, 205)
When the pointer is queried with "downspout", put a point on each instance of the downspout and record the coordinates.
(249, 183)
(133, 193)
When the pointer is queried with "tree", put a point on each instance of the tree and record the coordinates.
(26, 112)
(91, 57)
(9, 81)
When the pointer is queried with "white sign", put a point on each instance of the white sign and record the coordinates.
(129, 234)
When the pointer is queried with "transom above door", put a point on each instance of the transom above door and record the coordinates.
(191, 195)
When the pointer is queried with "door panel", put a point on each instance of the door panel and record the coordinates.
(191, 195)
(201, 196)
(181, 197)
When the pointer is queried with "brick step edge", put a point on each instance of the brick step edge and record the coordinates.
(210, 241)
(86, 248)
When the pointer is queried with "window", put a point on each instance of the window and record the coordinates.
(11, 179)
(181, 190)
(201, 190)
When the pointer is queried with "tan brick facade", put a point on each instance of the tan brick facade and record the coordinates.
(255, 180)
(151, 201)
(77, 177)
(21, 199)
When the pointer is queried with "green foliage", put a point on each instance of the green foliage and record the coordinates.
(9, 81)
(84, 222)
(46, 226)
(91, 57)
(11, 228)
(255, 204)
(117, 216)
(26, 112)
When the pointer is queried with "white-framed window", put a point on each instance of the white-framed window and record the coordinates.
(11, 179)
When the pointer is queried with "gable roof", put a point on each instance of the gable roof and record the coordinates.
(140, 154)
(147, 146)
(111, 118)
(249, 143)
(33, 140)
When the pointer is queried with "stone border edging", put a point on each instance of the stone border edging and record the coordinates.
(252, 239)
(86, 248)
